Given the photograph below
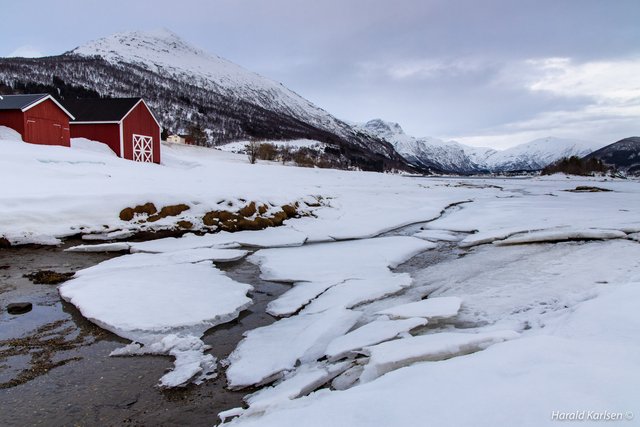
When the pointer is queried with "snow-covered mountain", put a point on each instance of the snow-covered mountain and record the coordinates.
(539, 153)
(453, 157)
(425, 153)
(164, 52)
(189, 88)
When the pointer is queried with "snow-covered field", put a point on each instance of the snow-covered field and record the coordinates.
(537, 318)
(240, 146)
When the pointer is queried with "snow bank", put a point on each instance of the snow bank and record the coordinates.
(87, 187)
(91, 146)
(9, 134)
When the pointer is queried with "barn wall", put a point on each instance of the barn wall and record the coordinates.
(46, 124)
(106, 133)
(13, 119)
(140, 122)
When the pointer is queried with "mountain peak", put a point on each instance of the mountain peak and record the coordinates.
(137, 45)
(383, 128)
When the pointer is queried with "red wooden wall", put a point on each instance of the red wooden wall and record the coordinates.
(140, 122)
(46, 124)
(108, 133)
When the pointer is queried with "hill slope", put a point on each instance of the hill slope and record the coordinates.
(189, 88)
(624, 155)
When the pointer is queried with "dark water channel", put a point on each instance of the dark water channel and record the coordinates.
(55, 367)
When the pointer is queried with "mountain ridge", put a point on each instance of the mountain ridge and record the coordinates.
(451, 156)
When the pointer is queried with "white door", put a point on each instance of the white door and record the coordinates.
(142, 148)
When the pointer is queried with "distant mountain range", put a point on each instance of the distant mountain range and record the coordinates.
(190, 89)
(452, 157)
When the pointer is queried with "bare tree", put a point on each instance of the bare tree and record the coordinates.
(253, 147)
(285, 154)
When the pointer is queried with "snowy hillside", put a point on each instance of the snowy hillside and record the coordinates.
(193, 91)
(164, 52)
(451, 156)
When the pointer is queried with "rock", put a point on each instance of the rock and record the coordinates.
(290, 210)
(186, 225)
(173, 210)
(262, 209)
(278, 218)
(211, 218)
(248, 210)
(127, 214)
(19, 307)
(4, 243)
(48, 277)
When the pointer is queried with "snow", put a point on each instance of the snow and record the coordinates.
(572, 302)
(392, 355)
(295, 384)
(260, 357)
(240, 146)
(9, 134)
(560, 235)
(431, 308)
(101, 247)
(270, 237)
(369, 334)
(91, 146)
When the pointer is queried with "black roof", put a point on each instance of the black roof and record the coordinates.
(100, 110)
(18, 102)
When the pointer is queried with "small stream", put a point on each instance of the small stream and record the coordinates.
(55, 367)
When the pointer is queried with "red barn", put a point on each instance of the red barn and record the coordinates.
(40, 119)
(127, 125)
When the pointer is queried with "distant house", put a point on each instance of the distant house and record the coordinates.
(40, 119)
(126, 125)
(180, 139)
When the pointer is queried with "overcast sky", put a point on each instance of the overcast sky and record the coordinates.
(492, 73)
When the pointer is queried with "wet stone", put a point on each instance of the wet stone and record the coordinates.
(48, 277)
(19, 307)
